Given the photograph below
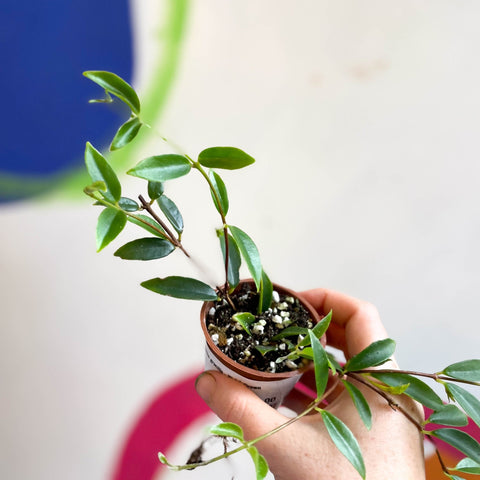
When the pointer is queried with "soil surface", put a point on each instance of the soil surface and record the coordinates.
(256, 350)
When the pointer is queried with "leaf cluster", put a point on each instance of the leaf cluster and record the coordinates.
(160, 216)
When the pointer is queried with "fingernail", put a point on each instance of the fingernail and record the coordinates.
(205, 385)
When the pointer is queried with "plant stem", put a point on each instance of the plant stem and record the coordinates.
(391, 403)
(202, 171)
(434, 376)
(312, 406)
(147, 206)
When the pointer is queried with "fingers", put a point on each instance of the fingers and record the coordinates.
(234, 402)
(355, 323)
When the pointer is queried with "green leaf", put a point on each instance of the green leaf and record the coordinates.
(161, 168)
(227, 429)
(115, 85)
(375, 354)
(397, 390)
(110, 223)
(245, 319)
(126, 133)
(264, 349)
(155, 190)
(181, 287)
(100, 171)
(234, 258)
(467, 465)
(320, 363)
(172, 213)
(265, 293)
(148, 224)
(221, 192)
(460, 440)
(307, 353)
(318, 330)
(360, 403)
(249, 252)
(128, 205)
(469, 403)
(466, 370)
(417, 389)
(261, 465)
(95, 187)
(449, 415)
(229, 158)
(149, 248)
(345, 441)
(333, 363)
(291, 332)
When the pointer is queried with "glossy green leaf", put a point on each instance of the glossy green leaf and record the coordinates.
(397, 390)
(291, 331)
(466, 370)
(455, 477)
(449, 415)
(149, 248)
(417, 389)
(220, 191)
(126, 133)
(345, 441)
(128, 205)
(265, 293)
(172, 213)
(333, 363)
(110, 223)
(115, 85)
(100, 171)
(264, 349)
(161, 168)
(319, 329)
(234, 258)
(249, 252)
(229, 158)
(307, 353)
(467, 465)
(466, 400)
(261, 466)
(460, 440)
(181, 287)
(227, 429)
(155, 190)
(148, 224)
(360, 403)
(320, 363)
(245, 319)
(375, 354)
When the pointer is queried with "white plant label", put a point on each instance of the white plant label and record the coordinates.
(272, 392)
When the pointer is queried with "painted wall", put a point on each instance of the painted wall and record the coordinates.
(364, 122)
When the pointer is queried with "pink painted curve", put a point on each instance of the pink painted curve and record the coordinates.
(159, 424)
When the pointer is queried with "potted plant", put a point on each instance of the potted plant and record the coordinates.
(257, 331)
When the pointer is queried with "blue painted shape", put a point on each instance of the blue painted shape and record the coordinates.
(44, 48)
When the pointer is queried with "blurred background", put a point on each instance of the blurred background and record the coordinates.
(363, 119)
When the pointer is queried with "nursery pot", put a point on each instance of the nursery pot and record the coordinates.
(270, 387)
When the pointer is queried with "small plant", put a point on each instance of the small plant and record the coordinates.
(277, 331)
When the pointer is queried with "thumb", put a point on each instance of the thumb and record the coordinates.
(234, 402)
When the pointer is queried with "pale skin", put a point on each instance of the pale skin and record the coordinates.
(392, 449)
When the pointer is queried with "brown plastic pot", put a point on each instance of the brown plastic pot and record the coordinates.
(270, 387)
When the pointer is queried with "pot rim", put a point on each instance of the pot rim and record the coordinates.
(241, 369)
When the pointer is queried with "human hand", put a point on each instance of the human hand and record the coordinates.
(392, 449)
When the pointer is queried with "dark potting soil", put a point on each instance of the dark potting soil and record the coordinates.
(235, 342)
